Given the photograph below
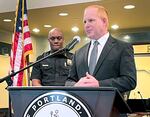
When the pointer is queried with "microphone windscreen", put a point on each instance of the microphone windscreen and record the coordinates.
(77, 37)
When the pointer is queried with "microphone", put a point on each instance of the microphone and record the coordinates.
(140, 94)
(70, 46)
(142, 99)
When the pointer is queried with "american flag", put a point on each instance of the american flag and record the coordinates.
(21, 44)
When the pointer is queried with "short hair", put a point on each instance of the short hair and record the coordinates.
(55, 29)
(102, 11)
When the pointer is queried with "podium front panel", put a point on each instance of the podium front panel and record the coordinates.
(62, 101)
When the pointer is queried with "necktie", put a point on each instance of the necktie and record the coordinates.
(93, 58)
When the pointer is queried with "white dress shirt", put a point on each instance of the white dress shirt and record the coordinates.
(102, 41)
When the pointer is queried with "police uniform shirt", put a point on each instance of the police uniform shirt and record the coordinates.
(52, 71)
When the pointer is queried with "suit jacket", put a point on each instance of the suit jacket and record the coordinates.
(115, 66)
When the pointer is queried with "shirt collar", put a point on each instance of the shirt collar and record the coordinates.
(101, 40)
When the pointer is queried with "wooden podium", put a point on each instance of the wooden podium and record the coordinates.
(67, 102)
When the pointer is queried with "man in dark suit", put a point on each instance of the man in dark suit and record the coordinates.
(115, 66)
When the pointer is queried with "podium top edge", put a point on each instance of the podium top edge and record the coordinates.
(10, 88)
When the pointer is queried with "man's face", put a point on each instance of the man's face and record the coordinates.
(56, 40)
(94, 25)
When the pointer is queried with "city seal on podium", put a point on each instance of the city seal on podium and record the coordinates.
(57, 104)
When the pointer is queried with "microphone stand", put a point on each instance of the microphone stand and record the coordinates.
(9, 80)
(142, 99)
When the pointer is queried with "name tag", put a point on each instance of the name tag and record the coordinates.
(45, 65)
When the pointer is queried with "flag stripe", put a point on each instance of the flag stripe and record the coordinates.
(26, 29)
(18, 60)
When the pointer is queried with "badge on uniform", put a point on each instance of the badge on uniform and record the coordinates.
(68, 62)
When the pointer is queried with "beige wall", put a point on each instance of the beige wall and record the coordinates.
(143, 72)
(4, 67)
(4, 61)
(143, 79)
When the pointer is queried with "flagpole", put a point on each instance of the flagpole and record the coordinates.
(27, 56)
(28, 70)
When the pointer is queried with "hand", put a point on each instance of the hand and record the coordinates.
(87, 81)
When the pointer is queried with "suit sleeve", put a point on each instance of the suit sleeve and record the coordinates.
(126, 80)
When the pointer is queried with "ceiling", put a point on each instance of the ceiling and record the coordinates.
(40, 13)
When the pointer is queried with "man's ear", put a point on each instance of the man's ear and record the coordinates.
(105, 22)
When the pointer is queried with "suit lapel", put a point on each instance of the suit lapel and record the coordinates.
(86, 57)
(108, 46)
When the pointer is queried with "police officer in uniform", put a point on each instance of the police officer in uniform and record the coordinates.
(52, 71)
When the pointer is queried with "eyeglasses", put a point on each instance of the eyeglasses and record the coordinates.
(56, 37)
